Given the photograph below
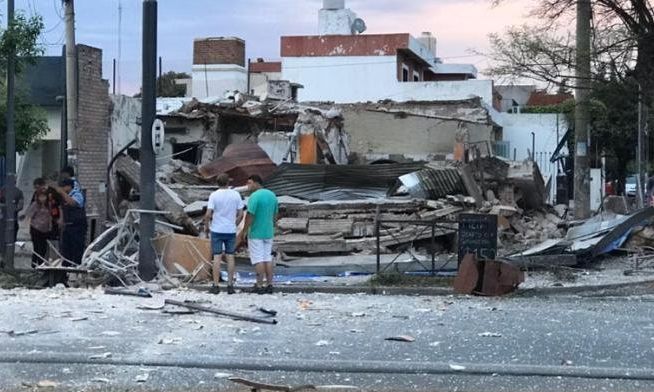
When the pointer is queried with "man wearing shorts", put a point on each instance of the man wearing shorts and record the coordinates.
(260, 228)
(224, 210)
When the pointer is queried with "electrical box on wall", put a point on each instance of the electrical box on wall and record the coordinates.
(157, 136)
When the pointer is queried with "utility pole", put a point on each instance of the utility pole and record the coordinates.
(71, 82)
(10, 150)
(582, 112)
(147, 265)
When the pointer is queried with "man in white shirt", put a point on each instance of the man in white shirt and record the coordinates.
(224, 211)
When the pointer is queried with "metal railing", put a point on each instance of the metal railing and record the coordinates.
(433, 225)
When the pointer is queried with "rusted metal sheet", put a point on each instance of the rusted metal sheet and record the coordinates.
(240, 161)
(487, 277)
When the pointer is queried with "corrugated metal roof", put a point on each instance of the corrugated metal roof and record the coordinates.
(337, 182)
(431, 183)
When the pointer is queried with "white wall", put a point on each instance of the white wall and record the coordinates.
(259, 82)
(216, 79)
(54, 123)
(371, 78)
(517, 128)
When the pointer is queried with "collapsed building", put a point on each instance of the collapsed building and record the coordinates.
(352, 179)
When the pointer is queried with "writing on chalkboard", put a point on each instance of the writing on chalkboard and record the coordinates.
(477, 235)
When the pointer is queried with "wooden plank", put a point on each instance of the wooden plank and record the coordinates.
(330, 226)
(186, 251)
(298, 225)
(471, 185)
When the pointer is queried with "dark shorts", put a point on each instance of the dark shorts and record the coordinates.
(223, 243)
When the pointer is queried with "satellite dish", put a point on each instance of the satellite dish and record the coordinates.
(358, 26)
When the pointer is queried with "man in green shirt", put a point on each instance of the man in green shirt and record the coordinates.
(262, 208)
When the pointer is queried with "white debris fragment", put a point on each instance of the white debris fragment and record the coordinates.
(321, 343)
(222, 375)
(490, 335)
(435, 344)
(110, 333)
(457, 367)
(101, 356)
(142, 377)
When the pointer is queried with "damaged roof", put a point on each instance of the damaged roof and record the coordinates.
(337, 182)
(240, 161)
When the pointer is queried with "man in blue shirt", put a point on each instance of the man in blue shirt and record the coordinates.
(74, 231)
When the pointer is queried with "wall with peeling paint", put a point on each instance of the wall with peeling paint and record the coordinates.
(377, 135)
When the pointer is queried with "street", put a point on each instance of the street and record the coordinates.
(85, 340)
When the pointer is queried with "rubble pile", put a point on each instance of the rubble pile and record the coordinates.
(328, 207)
(342, 227)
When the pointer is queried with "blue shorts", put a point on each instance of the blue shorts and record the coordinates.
(223, 243)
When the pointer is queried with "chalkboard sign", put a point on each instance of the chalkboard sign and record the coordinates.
(478, 235)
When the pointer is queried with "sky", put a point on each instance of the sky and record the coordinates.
(459, 25)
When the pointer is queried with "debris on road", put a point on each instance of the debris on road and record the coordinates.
(259, 386)
(101, 356)
(402, 338)
(140, 292)
(490, 335)
(234, 316)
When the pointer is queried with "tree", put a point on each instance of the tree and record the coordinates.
(622, 60)
(167, 85)
(623, 42)
(31, 123)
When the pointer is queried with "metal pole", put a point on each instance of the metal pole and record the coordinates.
(113, 83)
(639, 152)
(63, 145)
(249, 75)
(377, 239)
(159, 81)
(10, 151)
(433, 248)
(147, 265)
(71, 81)
(533, 147)
(582, 112)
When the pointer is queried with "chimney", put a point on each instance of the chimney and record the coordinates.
(219, 50)
(333, 4)
(428, 40)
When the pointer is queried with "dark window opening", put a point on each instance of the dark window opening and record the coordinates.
(405, 75)
(133, 153)
(416, 77)
(187, 152)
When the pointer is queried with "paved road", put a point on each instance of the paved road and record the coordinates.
(86, 340)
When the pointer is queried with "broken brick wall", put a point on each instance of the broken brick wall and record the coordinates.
(93, 131)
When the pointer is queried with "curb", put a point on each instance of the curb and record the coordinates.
(348, 366)
(437, 291)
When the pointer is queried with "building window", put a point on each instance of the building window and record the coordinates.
(416, 76)
(405, 73)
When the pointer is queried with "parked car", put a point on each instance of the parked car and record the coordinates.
(630, 186)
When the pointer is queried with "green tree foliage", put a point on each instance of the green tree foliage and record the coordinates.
(31, 124)
(166, 86)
